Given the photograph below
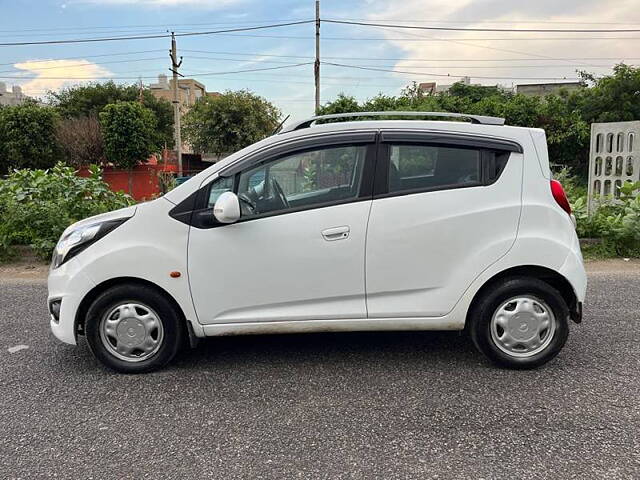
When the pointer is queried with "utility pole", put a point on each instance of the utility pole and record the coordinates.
(316, 65)
(175, 64)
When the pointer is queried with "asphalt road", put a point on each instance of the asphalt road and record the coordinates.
(363, 406)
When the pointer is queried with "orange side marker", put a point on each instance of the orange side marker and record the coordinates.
(175, 274)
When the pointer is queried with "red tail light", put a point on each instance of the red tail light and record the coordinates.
(560, 196)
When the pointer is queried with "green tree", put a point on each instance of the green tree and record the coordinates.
(613, 98)
(128, 131)
(89, 100)
(342, 104)
(27, 137)
(229, 122)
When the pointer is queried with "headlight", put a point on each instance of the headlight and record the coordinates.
(79, 238)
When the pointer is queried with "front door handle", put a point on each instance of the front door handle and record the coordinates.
(336, 233)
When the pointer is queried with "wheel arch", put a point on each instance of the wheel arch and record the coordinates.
(547, 275)
(96, 291)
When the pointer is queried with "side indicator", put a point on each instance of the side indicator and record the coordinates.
(175, 274)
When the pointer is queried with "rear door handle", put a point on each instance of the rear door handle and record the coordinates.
(336, 233)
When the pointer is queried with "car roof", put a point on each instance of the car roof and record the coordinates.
(496, 131)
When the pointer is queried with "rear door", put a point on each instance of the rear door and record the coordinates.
(445, 207)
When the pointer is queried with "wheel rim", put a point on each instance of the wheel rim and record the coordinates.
(523, 326)
(131, 332)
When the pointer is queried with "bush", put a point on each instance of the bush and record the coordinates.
(37, 205)
(27, 137)
(617, 222)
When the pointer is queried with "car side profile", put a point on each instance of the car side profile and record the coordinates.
(334, 225)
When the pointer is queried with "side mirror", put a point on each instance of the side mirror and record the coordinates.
(227, 208)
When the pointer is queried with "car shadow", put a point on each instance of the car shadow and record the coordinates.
(330, 348)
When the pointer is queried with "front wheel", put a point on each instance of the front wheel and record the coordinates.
(520, 323)
(133, 329)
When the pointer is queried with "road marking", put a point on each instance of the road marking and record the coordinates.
(17, 348)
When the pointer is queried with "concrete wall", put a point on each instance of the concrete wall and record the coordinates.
(542, 89)
(614, 158)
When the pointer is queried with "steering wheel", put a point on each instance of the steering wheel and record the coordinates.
(278, 190)
(250, 204)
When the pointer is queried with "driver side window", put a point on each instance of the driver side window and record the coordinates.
(302, 179)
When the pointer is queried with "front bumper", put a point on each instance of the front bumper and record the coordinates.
(68, 286)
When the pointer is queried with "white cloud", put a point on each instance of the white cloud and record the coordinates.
(450, 46)
(55, 74)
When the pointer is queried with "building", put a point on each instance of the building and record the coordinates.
(431, 88)
(614, 158)
(12, 97)
(427, 88)
(542, 89)
(189, 91)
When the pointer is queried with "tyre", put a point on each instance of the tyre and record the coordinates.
(133, 329)
(520, 323)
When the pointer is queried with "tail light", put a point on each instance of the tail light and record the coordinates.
(560, 196)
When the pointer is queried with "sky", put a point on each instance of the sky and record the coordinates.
(397, 56)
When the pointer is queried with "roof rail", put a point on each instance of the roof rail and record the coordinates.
(479, 119)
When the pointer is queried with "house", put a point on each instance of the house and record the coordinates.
(189, 91)
(12, 97)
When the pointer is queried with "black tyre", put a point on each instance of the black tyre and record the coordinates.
(134, 329)
(520, 323)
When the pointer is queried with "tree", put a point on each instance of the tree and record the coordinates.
(87, 100)
(27, 137)
(81, 141)
(229, 122)
(128, 131)
(613, 98)
(342, 104)
(566, 116)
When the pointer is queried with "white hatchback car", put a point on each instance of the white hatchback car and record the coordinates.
(340, 226)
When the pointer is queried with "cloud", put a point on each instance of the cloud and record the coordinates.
(418, 45)
(55, 74)
(208, 4)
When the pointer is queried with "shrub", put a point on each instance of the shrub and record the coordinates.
(617, 222)
(27, 137)
(37, 205)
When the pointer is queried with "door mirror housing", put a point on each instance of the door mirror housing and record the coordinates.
(227, 208)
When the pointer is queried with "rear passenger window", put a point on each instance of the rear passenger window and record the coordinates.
(422, 167)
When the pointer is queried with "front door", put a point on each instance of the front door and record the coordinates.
(297, 252)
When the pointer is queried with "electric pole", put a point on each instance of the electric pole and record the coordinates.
(316, 65)
(175, 64)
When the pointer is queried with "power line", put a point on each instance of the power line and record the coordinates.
(75, 29)
(413, 59)
(485, 29)
(328, 57)
(156, 25)
(37, 77)
(86, 56)
(400, 60)
(445, 75)
(466, 21)
(425, 39)
(146, 37)
(466, 43)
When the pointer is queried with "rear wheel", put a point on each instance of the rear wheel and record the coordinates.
(520, 323)
(133, 329)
